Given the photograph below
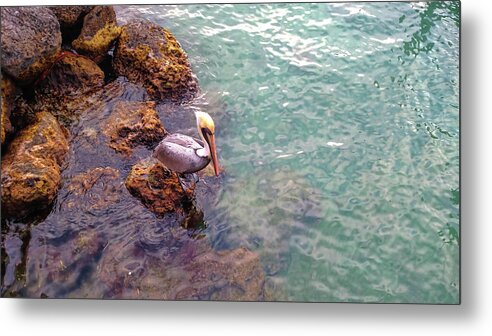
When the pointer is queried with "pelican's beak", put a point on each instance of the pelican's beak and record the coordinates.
(213, 153)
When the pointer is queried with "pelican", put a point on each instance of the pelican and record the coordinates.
(186, 155)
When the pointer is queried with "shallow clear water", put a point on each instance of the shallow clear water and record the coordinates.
(340, 142)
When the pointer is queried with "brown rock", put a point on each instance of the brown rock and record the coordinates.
(150, 55)
(157, 187)
(234, 275)
(96, 189)
(70, 16)
(8, 92)
(70, 19)
(131, 124)
(31, 167)
(66, 83)
(99, 31)
(30, 41)
(194, 272)
(71, 74)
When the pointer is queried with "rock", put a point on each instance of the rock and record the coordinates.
(67, 85)
(23, 113)
(150, 55)
(56, 271)
(70, 19)
(131, 124)
(71, 74)
(31, 40)
(99, 31)
(8, 92)
(158, 188)
(194, 272)
(94, 190)
(234, 275)
(31, 167)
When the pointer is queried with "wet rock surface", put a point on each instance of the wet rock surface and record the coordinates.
(67, 87)
(131, 124)
(70, 75)
(8, 92)
(70, 19)
(151, 56)
(104, 244)
(158, 187)
(98, 33)
(31, 40)
(31, 167)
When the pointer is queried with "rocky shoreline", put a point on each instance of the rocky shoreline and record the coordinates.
(61, 65)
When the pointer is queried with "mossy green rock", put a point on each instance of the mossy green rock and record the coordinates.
(31, 40)
(150, 55)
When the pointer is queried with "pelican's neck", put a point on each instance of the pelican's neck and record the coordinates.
(205, 151)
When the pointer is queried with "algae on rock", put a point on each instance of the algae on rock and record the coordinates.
(31, 40)
(31, 167)
(150, 55)
(98, 32)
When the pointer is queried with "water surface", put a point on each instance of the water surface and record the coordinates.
(338, 128)
(341, 144)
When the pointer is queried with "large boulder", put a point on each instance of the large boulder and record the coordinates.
(98, 33)
(150, 55)
(31, 40)
(71, 75)
(31, 167)
(8, 92)
(131, 124)
(70, 19)
(158, 188)
(66, 87)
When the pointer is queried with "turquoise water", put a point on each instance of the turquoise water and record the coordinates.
(339, 134)
(338, 130)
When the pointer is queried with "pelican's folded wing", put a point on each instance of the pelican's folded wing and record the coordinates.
(184, 141)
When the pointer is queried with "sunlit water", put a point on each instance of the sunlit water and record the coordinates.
(338, 129)
(341, 145)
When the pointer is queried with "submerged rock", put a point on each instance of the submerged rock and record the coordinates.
(70, 19)
(158, 188)
(98, 32)
(234, 275)
(93, 190)
(31, 40)
(131, 124)
(31, 167)
(150, 55)
(194, 271)
(8, 92)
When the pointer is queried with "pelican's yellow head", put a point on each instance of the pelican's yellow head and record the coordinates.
(204, 120)
(206, 129)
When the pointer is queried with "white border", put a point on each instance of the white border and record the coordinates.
(473, 317)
